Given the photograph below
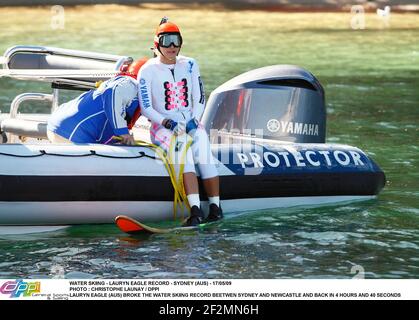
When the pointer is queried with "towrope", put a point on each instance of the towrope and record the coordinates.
(273, 125)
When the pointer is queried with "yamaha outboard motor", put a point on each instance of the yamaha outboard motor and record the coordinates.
(282, 102)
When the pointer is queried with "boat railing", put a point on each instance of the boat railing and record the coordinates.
(24, 57)
(17, 127)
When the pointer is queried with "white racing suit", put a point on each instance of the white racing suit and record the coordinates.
(176, 92)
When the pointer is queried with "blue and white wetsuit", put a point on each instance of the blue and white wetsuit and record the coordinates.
(97, 115)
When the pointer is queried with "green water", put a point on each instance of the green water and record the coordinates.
(371, 79)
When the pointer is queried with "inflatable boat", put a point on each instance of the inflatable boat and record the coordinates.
(267, 129)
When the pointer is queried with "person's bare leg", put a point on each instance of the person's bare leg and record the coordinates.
(55, 138)
(191, 183)
(212, 186)
(192, 192)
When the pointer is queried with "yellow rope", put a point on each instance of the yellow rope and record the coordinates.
(98, 83)
(181, 169)
(180, 200)
(178, 196)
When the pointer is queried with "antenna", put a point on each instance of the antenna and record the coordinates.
(164, 20)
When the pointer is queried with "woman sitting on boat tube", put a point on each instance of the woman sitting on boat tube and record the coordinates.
(172, 98)
(98, 115)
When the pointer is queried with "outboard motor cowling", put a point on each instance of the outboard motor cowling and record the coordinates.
(281, 102)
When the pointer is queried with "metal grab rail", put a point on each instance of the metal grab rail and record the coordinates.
(111, 58)
(30, 96)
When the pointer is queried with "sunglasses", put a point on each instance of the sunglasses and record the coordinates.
(166, 40)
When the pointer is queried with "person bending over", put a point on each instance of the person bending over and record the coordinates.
(98, 115)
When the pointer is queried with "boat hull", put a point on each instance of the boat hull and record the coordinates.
(94, 212)
(83, 184)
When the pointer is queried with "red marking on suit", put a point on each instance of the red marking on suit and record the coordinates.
(176, 94)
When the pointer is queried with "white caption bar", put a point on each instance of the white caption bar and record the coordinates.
(208, 289)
